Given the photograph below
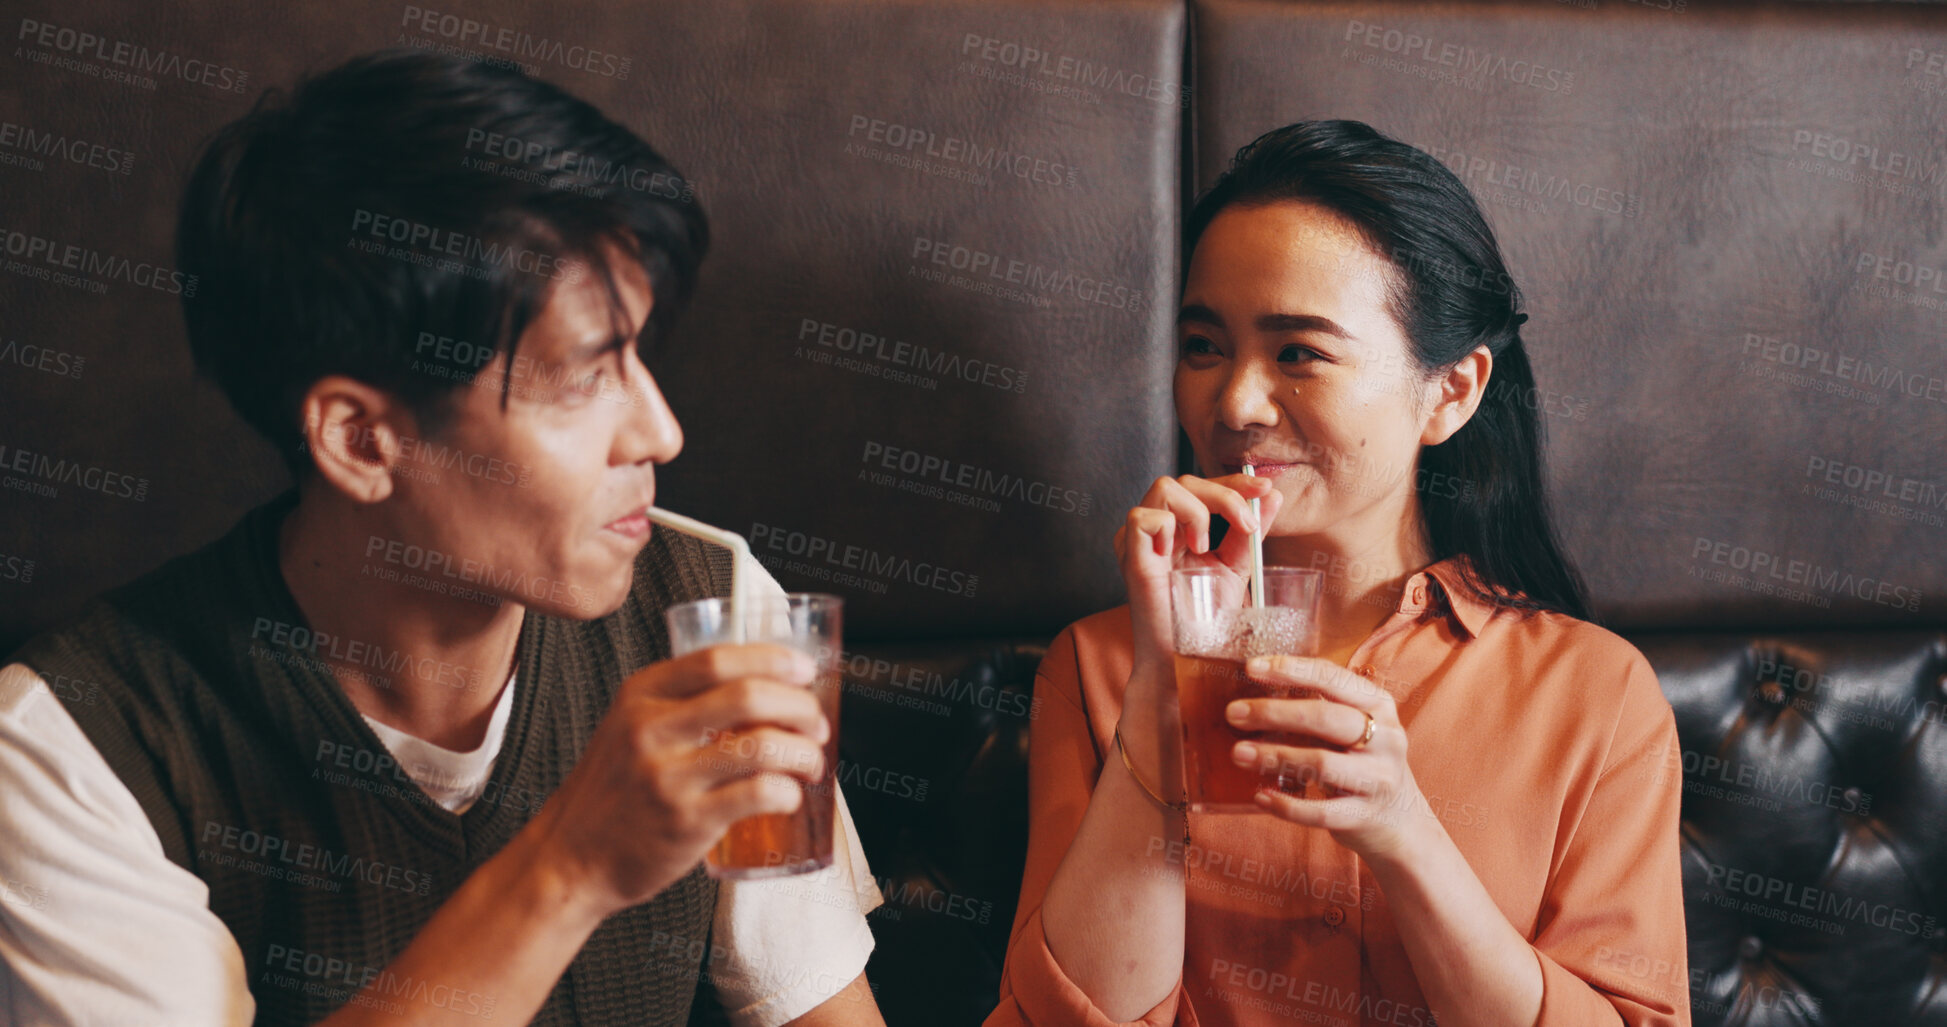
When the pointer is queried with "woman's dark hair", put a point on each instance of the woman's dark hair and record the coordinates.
(1451, 293)
(401, 219)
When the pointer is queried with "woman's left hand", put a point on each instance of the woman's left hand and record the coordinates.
(1373, 805)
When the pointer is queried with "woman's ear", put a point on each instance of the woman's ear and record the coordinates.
(1458, 393)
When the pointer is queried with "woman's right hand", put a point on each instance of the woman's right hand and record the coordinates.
(1169, 530)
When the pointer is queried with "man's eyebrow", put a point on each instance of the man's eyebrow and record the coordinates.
(1198, 313)
(599, 346)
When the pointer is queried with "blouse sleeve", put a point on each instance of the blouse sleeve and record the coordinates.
(1610, 935)
(1062, 768)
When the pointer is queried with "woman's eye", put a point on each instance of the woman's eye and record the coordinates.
(1197, 344)
(589, 383)
(1294, 354)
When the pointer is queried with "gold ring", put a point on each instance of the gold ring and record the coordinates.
(1367, 737)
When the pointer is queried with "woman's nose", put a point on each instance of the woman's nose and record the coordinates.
(1246, 399)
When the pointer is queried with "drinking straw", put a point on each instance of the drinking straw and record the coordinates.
(1257, 549)
(729, 540)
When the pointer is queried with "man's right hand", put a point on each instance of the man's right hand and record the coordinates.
(689, 746)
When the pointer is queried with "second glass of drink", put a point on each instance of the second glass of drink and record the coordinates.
(773, 844)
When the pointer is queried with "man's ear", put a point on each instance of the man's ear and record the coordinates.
(353, 433)
(1458, 393)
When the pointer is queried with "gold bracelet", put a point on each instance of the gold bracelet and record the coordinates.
(1176, 807)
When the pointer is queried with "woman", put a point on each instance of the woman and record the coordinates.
(1489, 832)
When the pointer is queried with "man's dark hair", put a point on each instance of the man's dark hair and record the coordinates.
(1451, 293)
(404, 198)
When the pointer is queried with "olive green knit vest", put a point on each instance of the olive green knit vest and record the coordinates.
(323, 857)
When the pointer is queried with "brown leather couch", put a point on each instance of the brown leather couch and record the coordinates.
(935, 326)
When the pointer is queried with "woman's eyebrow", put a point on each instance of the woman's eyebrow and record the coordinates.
(1199, 313)
(1301, 323)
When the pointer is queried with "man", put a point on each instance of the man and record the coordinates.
(406, 746)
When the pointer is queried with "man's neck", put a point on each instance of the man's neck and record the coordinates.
(444, 659)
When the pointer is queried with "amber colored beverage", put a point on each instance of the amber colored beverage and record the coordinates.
(1204, 687)
(1216, 631)
(776, 844)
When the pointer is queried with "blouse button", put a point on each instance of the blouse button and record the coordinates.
(1334, 916)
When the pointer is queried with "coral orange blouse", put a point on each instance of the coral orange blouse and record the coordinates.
(1541, 742)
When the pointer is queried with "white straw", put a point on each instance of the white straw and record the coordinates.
(740, 551)
(1257, 548)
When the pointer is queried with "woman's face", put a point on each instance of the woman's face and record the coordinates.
(1288, 359)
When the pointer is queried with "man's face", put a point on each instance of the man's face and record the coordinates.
(555, 523)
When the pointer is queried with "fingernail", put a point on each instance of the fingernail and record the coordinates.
(1258, 664)
(1237, 711)
(1244, 754)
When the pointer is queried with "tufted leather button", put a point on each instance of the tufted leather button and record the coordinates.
(1852, 796)
(1772, 692)
(1750, 948)
(1334, 916)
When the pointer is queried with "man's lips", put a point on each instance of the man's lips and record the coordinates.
(634, 525)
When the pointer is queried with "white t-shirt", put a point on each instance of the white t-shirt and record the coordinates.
(99, 929)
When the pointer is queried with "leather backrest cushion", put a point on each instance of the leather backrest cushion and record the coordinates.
(1724, 221)
(928, 361)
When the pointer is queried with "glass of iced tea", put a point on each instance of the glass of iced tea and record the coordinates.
(1217, 629)
(774, 844)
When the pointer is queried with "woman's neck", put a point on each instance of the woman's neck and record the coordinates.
(1365, 574)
